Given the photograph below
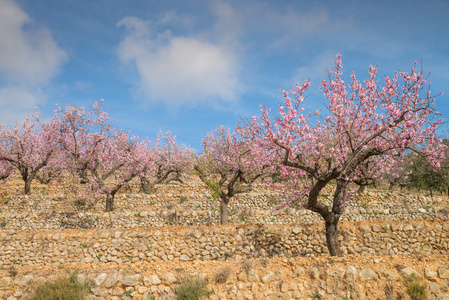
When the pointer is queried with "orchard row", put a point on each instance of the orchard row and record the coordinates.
(366, 130)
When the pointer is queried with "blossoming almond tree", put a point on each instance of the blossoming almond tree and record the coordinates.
(83, 134)
(29, 147)
(168, 160)
(101, 158)
(363, 121)
(229, 165)
(121, 159)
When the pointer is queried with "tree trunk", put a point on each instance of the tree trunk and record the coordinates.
(28, 186)
(333, 245)
(361, 189)
(109, 202)
(224, 210)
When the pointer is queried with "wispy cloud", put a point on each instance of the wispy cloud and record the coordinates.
(29, 58)
(178, 70)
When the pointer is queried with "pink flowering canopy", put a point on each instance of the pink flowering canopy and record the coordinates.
(230, 163)
(29, 147)
(367, 127)
(167, 160)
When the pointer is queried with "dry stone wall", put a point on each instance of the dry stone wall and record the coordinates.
(276, 278)
(192, 205)
(155, 244)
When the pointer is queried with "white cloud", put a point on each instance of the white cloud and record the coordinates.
(16, 103)
(178, 70)
(29, 58)
(27, 52)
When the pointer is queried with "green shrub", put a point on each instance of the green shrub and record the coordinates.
(417, 290)
(64, 288)
(192, 288)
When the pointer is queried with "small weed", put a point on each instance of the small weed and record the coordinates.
(389, 291)
(14, 262)
(79, 202)
(129, 257)
(265, 262)
(151, 297)
(3, 223)
(247, 266)
(244, 219)
(385, 228)
(179, 270)
(128, 293)
(317, 296)
(83, 245)
(222, 275)
(182, 199)
(148, 249)
(365, 205)
(13, 272)
(99, 256)
(192, 288)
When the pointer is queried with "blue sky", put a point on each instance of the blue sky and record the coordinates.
(187, 66)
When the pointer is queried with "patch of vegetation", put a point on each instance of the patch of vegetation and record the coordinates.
(222, 275)
(417, 290)
(3, 223)
(79, 202)
(244, 219)
(389, 291)
(128, 293)
(13, 272)
(192, 288)
(182, 199)
(316, 296)
(247, 265)
(65, 288)
(265, 262)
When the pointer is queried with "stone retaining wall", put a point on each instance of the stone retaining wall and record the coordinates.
(191, 205)
(155, 244)
(300, 278)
